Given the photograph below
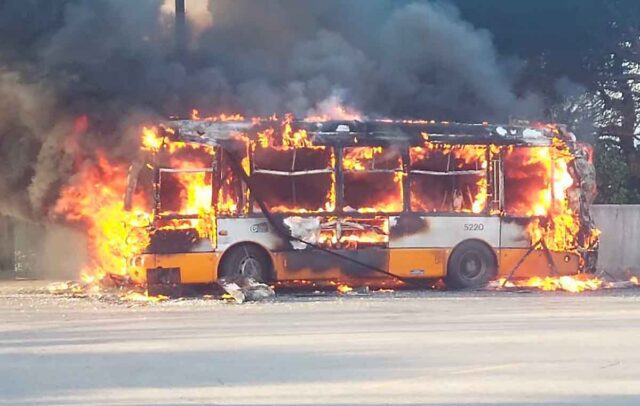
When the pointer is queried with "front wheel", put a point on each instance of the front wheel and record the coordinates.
(471, 265)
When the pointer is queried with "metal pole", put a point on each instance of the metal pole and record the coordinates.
(181, 27)
(7, 247)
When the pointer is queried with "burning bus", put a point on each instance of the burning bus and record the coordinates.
(358, 202)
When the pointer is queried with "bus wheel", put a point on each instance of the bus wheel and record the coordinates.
(245, 261)
(471, 265)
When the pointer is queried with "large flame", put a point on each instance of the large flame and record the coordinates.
(575, 284)
(547, 196)
(95, 199)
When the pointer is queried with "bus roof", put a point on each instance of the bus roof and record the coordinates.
(377, 132)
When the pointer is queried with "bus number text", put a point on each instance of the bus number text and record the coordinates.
(474, 227)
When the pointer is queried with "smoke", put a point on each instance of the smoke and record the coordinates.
(436, 64)
(78, 76)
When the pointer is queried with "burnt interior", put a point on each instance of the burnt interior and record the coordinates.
(374, 184)
(230, 198)
(288, 178)
(171, 241)
(440, 181)
(174, 190)
(525, 180)
(374, 191)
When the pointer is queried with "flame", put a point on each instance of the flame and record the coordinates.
(343, 288)
(196, 192)
(360, 158)
(576, 284)
(363, 162)
(549, 197)
(95, 199)
(143, 297)
(454, 158)
(151, 141)
(195, 115)
(288, 139)
(353, 233)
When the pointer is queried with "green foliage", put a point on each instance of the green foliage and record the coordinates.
(613, 175)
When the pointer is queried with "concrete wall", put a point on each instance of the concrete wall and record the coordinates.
(620, 239)
(7, 247)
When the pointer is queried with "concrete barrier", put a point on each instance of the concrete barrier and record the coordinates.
(620, 239)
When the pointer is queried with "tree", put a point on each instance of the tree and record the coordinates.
(608, 108)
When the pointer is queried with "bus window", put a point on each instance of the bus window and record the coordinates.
(231, 191)
(185, 191)
(527, 180)
(185, 182)
(294, 179)
(448, 178)
(372, 180)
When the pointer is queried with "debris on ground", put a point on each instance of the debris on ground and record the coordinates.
(245, 289)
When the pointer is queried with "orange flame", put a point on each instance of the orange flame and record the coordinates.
(575, 284)
(95, 198)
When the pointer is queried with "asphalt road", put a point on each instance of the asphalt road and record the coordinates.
(402, 348)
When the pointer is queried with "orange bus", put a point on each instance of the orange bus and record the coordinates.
(364, 202)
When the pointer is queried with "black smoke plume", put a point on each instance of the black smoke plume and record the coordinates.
(77, 76)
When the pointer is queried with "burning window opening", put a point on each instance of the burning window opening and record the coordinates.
(232, 197)
(373, 180)
(448, 178)
(295, 179)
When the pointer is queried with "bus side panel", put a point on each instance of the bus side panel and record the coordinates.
(254, 229)
(194, 267)
(536, 263)
(420, 231)
(318, 265)
(515, 244)
(418, 263)
(514, 232)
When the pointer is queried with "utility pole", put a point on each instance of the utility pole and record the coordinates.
(181, 29)
(7, 248)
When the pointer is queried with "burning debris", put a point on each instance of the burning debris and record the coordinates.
(101, 293)
(574, 284)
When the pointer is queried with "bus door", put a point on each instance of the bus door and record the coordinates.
(183, 195)
(184, 217)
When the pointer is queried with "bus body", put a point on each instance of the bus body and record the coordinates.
(369, 202)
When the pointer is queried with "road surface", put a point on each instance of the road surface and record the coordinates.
(395, 348)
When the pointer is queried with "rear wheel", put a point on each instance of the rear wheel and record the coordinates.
(471, 265)
(245, 261)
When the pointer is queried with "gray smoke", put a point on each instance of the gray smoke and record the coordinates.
(113, 62)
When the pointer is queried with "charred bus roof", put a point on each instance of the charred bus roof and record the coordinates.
(375, 132)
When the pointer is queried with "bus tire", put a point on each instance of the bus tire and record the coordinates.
(471, 265)
(245, 261)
